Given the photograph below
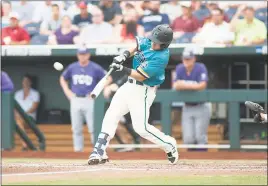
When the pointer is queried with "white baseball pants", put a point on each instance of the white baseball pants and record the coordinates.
(137, 100)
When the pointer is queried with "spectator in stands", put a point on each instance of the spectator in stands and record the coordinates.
(126, 32)
(6, 9)
(25, 9)
(43, 11)
(49, 26)
(154, 18)
(193, 76)
(6, 83)
(200, 10)
(249, 31)
(126, 5)
(112, 11)
(212, 5)
(75, 9)
(14, 34)
(186, 23)
(172, 9)
(97, 32)
(146, 7)
(215, 32)
(65, 34)
(84, 18)
(28, 98)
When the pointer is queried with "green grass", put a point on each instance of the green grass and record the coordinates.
(172, 180)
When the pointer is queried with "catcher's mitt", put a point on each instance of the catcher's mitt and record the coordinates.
(256, 110)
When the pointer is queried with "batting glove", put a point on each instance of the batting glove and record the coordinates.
(120, 59)
(116, 67)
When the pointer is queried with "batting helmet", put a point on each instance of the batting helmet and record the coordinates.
(163, 35)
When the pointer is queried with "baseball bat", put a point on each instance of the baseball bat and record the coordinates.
(99, 87)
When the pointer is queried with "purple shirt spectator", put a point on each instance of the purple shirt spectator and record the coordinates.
(83, 79)
(198, 74)
(6, 83)
(65, 39)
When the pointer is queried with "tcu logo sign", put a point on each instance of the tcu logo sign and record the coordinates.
(82, 80)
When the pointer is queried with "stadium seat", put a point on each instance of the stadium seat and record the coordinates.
(261, 14)
(231, 12)
(32, 28)
(39, 40)
(186, 37)
(201, 14)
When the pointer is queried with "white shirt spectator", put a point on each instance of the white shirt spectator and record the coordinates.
(212, 34)
(43, 11)
(27, 103)
(25, 11)
(172, 10)
(96, 33)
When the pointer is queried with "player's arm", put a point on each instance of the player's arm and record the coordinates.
(129, 52)
(64, 82)
(67, 91)
(182, 85)
(201, 85)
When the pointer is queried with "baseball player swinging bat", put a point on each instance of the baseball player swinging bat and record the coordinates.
(100, 86)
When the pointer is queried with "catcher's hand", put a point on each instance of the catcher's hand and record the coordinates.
(258, 119)
(257, 110)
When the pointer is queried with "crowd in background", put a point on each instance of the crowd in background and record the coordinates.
(241, 23)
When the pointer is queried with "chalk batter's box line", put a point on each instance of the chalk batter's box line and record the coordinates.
(130, 169)
(236, 166)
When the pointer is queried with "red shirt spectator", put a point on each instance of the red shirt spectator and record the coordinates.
(14, 34)
(189, 24)
(185, 23)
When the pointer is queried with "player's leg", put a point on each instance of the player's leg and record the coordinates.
(203, 115)
(130, 129)
(139, 111)
(116, 110)
(188, 125)
(77, 120)
(89, 115)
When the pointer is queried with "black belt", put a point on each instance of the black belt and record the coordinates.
(137, 82)
(81, 96)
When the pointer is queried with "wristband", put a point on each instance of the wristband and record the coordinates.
(126, 70)
(126, 53)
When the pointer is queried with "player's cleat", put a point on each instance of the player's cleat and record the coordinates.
(173, 155)
(95, 159)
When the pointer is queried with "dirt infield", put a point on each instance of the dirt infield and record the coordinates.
(193, 168)
(222, 155)
(19, 171)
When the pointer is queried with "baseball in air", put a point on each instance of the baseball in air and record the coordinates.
(58, 66)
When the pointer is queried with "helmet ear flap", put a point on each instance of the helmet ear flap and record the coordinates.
(163, 46)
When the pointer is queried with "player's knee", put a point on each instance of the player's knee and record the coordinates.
(201, 139)
(188, 140)
(77, 130)
(141, 131)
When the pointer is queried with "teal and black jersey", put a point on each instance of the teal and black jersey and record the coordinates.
(150, 63)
